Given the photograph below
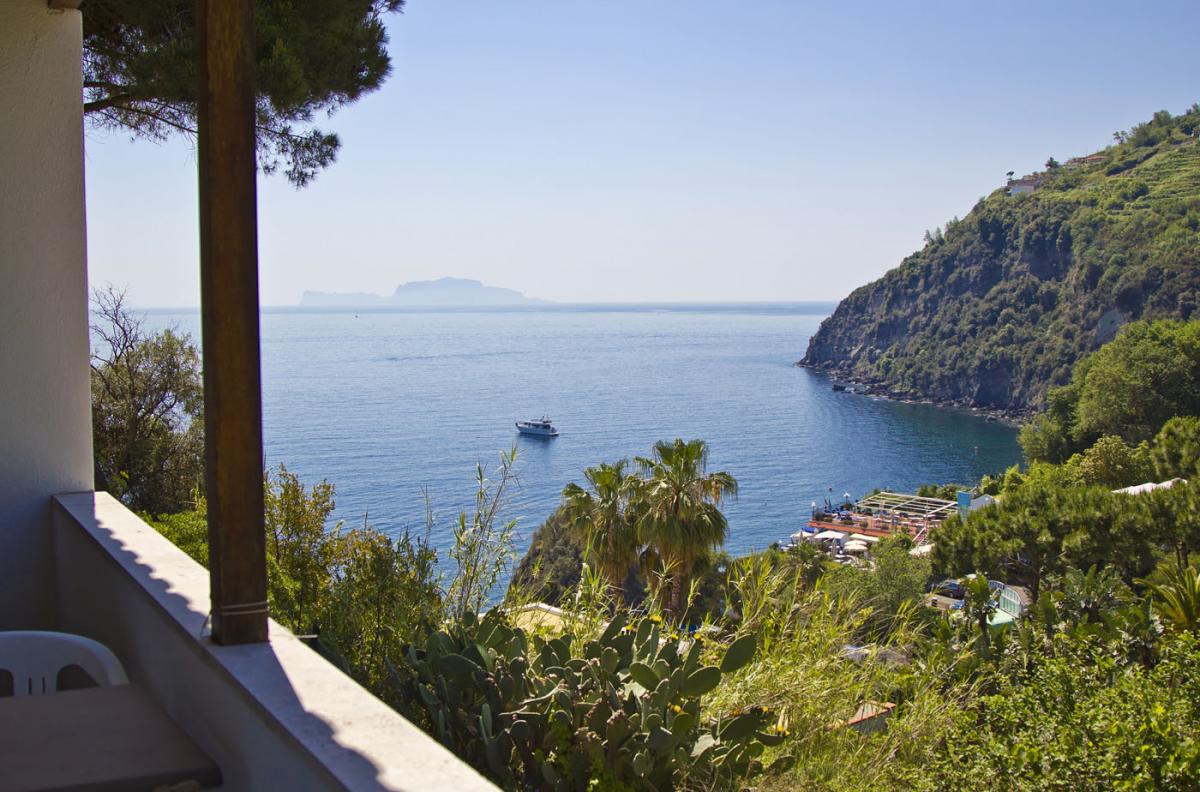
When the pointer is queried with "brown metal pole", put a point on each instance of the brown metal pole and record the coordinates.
(229, 301)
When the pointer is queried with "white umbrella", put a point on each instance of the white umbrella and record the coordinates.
(855, 547)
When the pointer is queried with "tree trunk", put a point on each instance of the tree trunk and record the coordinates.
(616, 582)
(678, 592)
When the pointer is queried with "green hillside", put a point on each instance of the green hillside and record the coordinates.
(996, 307)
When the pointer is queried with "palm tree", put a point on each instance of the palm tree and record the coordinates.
(598, 515)
(1178, 599)
(678, 509)
(1086, 597)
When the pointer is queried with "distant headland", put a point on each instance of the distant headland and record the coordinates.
(458, 292)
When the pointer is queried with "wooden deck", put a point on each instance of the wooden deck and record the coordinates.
(869, 526)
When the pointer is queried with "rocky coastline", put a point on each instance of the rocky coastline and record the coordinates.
(842, 379)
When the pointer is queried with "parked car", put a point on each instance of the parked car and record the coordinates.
(949, 588)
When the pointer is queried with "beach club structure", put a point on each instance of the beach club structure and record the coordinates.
(876, 516)
(198, 686)
(851, 531)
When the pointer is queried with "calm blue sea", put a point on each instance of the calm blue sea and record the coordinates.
(386, 405)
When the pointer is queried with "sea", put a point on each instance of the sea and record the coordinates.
(396, 408)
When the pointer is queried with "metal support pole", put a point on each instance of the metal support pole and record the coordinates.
(229, 300)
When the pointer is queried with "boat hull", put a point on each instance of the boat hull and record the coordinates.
(537, 431)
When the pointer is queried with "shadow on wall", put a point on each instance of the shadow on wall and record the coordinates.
(272, 715)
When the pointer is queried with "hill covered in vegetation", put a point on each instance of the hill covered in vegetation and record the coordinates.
(998, 306)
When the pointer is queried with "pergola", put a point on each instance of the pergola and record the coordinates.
(909, 507)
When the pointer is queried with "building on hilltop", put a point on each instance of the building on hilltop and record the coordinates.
(1090, 159)
(1025, 184)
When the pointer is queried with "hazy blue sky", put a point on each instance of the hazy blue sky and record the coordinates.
(663, 150)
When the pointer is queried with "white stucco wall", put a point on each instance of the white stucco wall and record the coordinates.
(45, 423)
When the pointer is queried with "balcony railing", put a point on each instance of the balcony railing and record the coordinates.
(273, 715)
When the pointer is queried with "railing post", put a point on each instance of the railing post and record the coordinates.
(229, 301)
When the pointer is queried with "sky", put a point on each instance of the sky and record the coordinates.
(661, 151)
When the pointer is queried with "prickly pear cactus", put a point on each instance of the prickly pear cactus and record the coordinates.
(620, 711)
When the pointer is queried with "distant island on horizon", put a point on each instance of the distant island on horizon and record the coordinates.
(431, 293)
(451, 292)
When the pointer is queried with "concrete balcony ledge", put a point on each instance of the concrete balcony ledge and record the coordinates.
(273, 715)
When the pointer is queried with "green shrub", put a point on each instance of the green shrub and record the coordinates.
(620, 711)
(1176, 451)
(1080, 719)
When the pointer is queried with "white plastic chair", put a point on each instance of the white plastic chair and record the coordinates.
(35, 659)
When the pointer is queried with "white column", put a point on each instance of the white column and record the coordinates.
(45, 418)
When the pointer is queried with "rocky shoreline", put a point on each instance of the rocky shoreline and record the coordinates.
(881, 389)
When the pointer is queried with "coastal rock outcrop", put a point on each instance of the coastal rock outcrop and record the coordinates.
(996, 307)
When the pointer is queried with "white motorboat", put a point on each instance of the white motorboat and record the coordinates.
(538, 428)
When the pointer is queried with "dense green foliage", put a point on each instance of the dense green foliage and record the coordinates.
(1077, 718)
(890, 588)
(1096, 688)
(600, 516)
(654, 532)
(617, 711)
(552, 564)
(996, 309)
(677, 511)
(1050, 524)
(1061, 513)
(147, 410)
(1176, 452)
(1177, 598)
(311, 57)
(1129, 389)
(1042, 529)
(359, 592)
(944, 491)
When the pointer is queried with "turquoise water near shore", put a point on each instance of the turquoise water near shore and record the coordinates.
(387, 405)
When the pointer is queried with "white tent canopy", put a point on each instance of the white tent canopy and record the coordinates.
(862, 538)
(835, 535)
(1149, 486)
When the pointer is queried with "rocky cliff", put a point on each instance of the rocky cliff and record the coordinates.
(997, 306)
